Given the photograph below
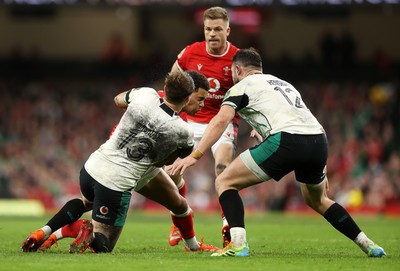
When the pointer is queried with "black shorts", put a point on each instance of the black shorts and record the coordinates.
(282, 153)
(109, 207)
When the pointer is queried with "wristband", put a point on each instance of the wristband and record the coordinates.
(196, 154)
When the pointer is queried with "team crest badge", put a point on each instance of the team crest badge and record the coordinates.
(226, 70)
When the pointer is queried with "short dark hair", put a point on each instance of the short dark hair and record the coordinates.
(248, 58)
(200, 81)
(178, 86)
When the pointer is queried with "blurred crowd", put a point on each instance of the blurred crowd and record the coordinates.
(49, 126)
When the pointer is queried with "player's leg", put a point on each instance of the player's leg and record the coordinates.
(69, 213)
(162, 190)
(235, 177)
(312, 155)
(71, 230)
(175, 235)
(109, 211)
(316, 197)
(104, 237)
(223, 152)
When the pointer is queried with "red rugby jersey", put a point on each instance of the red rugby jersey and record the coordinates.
(217, 69)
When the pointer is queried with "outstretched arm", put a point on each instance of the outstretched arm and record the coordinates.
(213, 132)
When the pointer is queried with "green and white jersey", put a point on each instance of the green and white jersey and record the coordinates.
(271, 105)
(147, 134)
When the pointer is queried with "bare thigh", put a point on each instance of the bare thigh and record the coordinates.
(236, 176)
(223, 156)
(163, 190)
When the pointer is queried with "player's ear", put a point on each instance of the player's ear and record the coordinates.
(238, 70)
(228, 31)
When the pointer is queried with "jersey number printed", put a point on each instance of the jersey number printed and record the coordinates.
(138, 150)
(286, 92)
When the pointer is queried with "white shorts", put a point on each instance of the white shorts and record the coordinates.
(147, 177)
(228, 137)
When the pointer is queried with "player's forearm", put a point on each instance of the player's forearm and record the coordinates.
(214, 131)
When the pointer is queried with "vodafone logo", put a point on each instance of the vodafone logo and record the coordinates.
(214, 84)
(104, 210)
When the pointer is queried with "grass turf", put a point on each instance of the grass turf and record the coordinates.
(277, 242)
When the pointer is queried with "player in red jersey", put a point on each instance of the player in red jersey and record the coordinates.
(213, 58)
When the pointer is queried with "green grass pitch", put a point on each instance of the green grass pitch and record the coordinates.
(277, 242)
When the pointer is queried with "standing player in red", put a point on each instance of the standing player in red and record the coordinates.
(213, 58)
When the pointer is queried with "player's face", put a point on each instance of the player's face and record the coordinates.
(216, 34)
(196, 102)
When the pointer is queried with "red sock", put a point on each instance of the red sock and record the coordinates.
(185, 225)
(182, 190)
(72, 230)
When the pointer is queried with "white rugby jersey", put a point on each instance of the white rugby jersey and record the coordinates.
(148, 132)
(271, 105)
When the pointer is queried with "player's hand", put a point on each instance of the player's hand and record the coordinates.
(179, 166)
(256, 135)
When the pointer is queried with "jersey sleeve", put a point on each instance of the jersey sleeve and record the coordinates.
(182, 58)
(236, 97)
(187, 144)
(136, 92)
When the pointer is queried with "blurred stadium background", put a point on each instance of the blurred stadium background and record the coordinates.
(63, 61)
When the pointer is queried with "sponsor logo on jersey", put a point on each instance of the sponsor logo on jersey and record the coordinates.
(199, 66)
(215, 85)
(104, 210)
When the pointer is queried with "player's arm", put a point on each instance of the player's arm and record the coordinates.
(216, 127)
(120, 100)
(175, 67)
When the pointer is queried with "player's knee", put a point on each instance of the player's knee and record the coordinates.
(219, 168)
(180, 206)
(100, 243)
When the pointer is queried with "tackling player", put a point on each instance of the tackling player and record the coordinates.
(293, 140)
(149, 135)
(195, 104)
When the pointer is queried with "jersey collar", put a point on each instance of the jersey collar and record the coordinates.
(167, 109)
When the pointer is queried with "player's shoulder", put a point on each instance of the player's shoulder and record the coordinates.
(232, 49)
(194, 48)
(147, 91)
(141, 93)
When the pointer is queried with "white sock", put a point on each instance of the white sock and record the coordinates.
(47, 231)
(363, 241)
(191, 243)
(224, 221)
(58, 234)
(238, 236)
